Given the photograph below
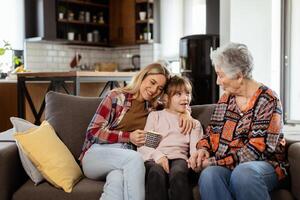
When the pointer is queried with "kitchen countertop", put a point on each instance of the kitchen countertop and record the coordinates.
(76, 73)
(8, 81)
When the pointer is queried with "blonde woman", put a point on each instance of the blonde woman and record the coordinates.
(117, 129)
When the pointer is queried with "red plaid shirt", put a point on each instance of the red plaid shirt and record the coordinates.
(109, 113)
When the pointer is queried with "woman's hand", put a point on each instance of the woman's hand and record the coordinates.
(164, 162)
(137, 137)
(186, 123)
(197, 159)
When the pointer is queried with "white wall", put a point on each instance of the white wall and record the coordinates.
(12, 23)
(250, 23)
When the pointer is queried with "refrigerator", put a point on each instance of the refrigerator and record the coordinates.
(196, 65)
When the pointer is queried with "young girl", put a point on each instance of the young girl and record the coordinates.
(166, 166)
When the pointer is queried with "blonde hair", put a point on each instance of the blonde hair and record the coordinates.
(153, 69)
(177, 84)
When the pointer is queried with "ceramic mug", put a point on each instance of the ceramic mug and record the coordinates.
(152, 139)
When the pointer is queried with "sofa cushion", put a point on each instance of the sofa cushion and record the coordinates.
(203, 113)
(70, 116)
(21, 125)
(85, 189)
(51, 157)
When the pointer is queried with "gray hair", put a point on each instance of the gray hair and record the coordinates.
(233, 58)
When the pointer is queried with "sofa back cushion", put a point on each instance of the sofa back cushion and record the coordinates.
(203, 113)
(70, 116)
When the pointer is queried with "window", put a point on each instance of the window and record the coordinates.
(291, 61)
(178, 19)
(12, 30)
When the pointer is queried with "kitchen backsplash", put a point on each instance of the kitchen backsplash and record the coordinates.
(44, 56)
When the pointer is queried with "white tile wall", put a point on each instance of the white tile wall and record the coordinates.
(44, 56)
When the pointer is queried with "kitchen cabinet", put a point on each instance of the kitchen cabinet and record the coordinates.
(122, 22)
(147, 21)
(83, 21)
(92, 22)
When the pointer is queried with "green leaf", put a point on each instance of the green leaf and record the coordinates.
(2, 51)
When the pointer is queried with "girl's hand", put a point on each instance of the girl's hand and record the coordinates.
(164, 162)
(137, 137)
(186, 123)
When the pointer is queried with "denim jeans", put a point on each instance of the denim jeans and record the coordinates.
(250, 180)
(123, 170)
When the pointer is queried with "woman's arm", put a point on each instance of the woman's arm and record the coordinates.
(98, 130)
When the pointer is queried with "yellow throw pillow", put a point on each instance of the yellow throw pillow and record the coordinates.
(50, 155)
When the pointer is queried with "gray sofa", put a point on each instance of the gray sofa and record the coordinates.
(70, 116)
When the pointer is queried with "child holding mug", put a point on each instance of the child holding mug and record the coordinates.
(166, 166)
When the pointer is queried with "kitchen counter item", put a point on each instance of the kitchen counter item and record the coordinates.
(106, 67)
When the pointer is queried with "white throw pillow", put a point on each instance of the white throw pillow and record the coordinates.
(21, 125)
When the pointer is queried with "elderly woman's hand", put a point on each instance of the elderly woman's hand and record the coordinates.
(197, 158)
(137, 137)
(186, 123)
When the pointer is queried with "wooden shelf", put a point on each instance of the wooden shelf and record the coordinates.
(144, 41)
(150, 21)
(78, 2)
(144, 1)
(77, 42)
(80, 22)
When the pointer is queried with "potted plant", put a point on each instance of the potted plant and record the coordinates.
(6, 67)
(61, 12)
(147, 33)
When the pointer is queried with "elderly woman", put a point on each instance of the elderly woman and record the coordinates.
(242, 152)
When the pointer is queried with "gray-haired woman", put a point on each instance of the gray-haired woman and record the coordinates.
(242, 153)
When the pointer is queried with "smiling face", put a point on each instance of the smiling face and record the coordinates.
(151, 87)
(229, 85)
(180, 101)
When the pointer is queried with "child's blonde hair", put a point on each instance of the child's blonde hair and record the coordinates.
(177, 84)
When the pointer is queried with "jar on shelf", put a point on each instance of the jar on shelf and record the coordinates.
(81, 16)
(89, 37)
(94, 19)
(101, 18)
(87, 16)
(96, 36)
(70, 15)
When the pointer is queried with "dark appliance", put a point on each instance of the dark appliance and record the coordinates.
(196, 64)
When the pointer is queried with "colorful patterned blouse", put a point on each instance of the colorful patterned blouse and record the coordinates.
(235, 137)
(109, 114)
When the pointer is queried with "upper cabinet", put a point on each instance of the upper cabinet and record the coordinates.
(93, 22)
(83, 21)
(122, 22)
(147, 21)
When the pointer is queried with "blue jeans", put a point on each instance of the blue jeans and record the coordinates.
(123, 170)
(250, 180)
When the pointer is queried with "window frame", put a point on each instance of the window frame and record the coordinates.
(285, 69)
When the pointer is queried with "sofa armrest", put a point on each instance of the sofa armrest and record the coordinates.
(294, 160)
(12, 174)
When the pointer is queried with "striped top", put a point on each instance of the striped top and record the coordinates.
(236, 136)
